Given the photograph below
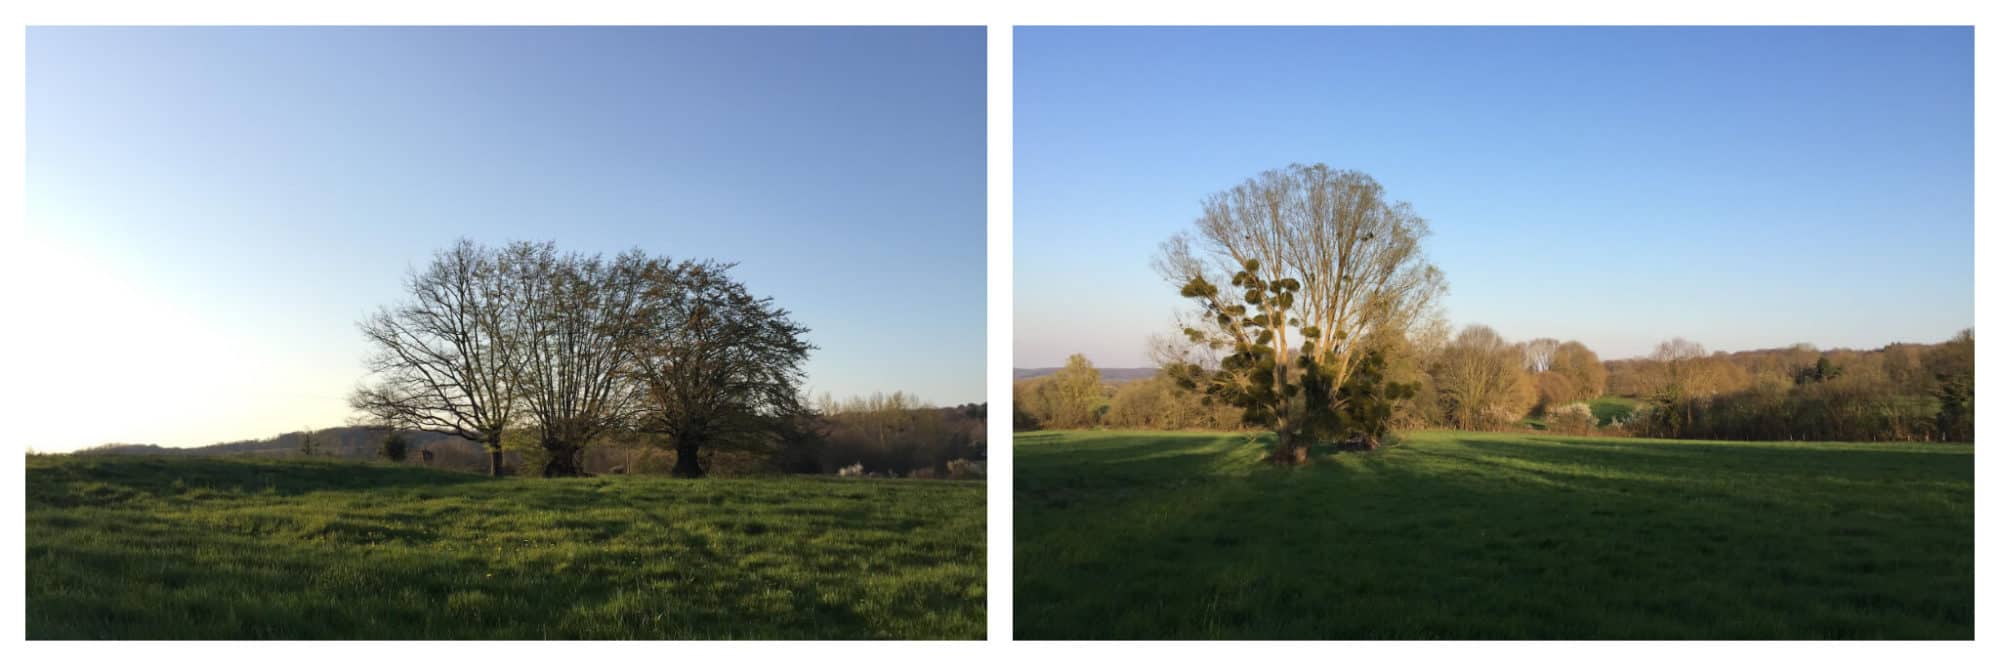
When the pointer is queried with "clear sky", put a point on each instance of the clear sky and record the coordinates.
(212, 210)
(1743, 188)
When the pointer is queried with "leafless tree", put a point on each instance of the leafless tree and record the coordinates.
(565, 348)
(574, 317)
(1069, 398)
(713, 364)
(444, 361)
(1355, 258)
(1538, 354)
(1481, 379)
(1681, 377)
(1680, 361)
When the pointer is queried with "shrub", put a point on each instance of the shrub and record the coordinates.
(1571, 419)
(395, 447)
(961, 469)
(1494, 417)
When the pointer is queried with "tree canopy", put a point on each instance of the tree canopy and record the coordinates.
(1321, 270)
(570, 347)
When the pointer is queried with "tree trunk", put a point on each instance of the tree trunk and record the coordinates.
(562, 461)
(686, 463)
(493, 453)
(1291, 449)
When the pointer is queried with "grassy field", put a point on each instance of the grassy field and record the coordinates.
(1490, 536)
(212, 548)
(1612, 407)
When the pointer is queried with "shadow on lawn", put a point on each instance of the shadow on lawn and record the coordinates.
(1480, 537)
(109, 479)
(286, 593)
(1679, 457)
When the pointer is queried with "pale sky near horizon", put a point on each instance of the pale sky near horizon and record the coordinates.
(1740, 187)
(210, 210)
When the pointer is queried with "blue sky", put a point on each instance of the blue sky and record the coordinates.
(1743, 188)
(215, 208)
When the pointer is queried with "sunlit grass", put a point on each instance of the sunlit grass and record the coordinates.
(1498, 536)
(1611, 407)
(122, 547)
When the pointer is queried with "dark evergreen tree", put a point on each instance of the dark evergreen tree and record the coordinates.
(395, 447)
(1822, 371)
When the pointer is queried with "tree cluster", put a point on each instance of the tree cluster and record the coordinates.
(1073, 397)
(1477, 380)
(893, 434)
(1902, 392)
(567, 348)
(1077, 397)
(1314, 319)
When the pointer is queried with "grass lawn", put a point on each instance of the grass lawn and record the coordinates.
(1611, 407)
(214, 548)
(1463, 535)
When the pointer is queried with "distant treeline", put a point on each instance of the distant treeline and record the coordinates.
(1478, 380)
(892, 435)
(886, 435)
(1076, 396)
(349, 442)
(1110, 375)
(1901, 392)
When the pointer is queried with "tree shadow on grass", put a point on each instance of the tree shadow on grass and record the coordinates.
(1485, 538)
(1124, 463)
(1667, 455)
(105, 479)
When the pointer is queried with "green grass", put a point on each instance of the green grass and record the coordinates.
(1138, 535)
(1611, 407)
(209, 548)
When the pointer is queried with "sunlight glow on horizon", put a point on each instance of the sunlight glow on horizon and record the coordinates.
(213, 208)
(119, 361)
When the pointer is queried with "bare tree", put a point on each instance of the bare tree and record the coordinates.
(574, 317)
(1679, 380)
(1330, 266)
(1538, 354)
(713, 364)
(444, 361)
(1678, 358)
(1068, 398)
(1481, 380)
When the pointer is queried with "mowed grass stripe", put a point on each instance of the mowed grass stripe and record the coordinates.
(203, 548)
(1494, 536)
